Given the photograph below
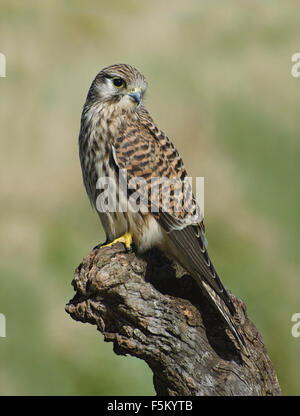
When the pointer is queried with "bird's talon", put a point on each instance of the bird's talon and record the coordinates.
(101, 245)
(125, 239)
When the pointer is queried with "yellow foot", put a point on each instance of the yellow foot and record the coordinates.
(126, 239)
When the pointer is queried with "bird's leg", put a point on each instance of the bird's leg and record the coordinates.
(125, 238)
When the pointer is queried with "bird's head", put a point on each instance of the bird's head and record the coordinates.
(120, 83)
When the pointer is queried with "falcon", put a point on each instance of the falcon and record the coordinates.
(119, 141)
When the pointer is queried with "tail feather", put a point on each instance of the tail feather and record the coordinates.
(226, 315)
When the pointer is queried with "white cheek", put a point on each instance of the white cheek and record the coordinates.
(106, 90)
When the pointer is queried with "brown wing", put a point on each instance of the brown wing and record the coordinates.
(144, 151)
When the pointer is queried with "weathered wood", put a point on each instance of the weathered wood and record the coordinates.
(138, 304)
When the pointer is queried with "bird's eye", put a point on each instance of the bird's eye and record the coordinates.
(118, 82)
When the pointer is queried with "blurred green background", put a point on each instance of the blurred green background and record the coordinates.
(220, 85)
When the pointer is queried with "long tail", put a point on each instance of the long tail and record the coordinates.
(225, 314)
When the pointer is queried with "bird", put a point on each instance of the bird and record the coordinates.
(120, 143)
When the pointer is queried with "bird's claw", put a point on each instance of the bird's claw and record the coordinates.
(125, 239)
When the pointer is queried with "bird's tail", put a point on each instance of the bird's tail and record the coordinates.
(226, 315)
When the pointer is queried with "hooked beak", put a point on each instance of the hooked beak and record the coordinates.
(136, 95)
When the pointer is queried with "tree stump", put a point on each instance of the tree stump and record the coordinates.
(140, 304)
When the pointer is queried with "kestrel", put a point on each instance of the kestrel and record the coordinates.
(119, 140)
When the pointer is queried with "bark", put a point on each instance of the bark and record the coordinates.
(140, 306)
